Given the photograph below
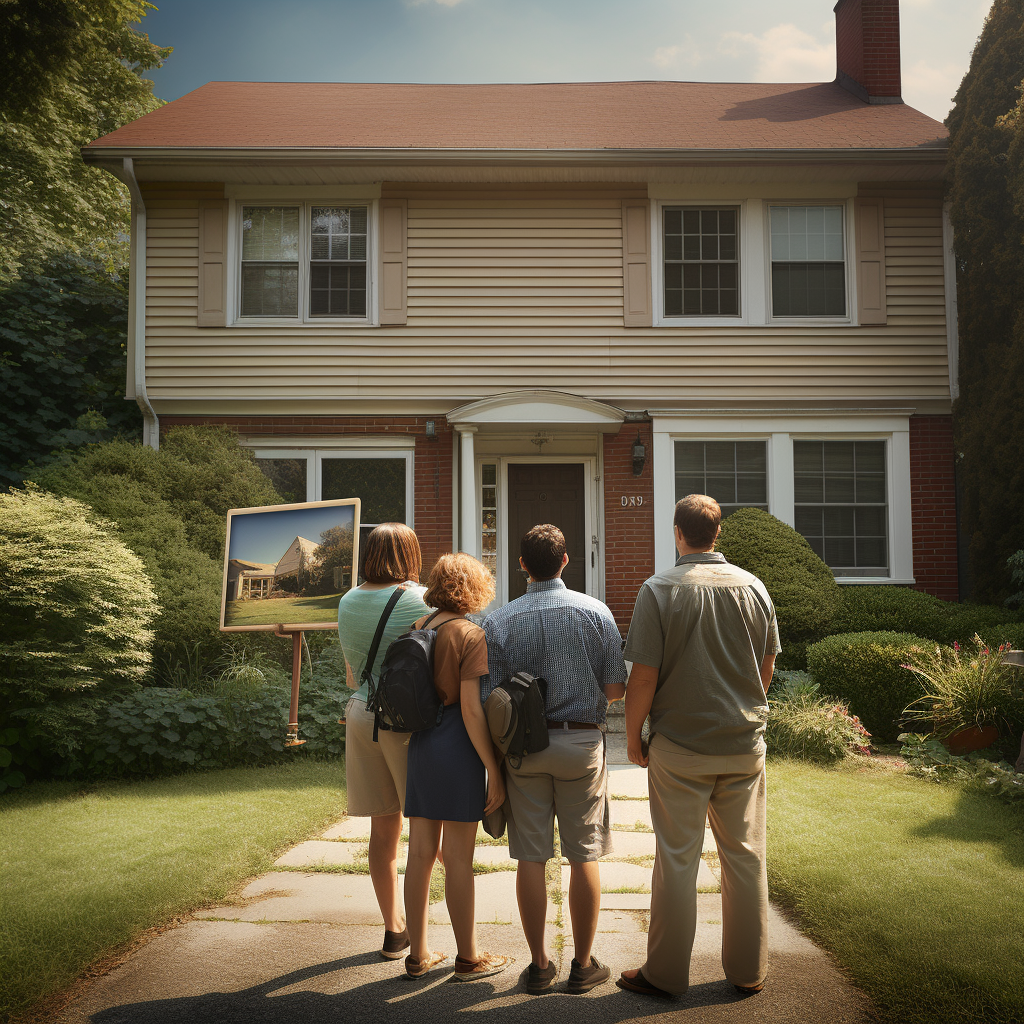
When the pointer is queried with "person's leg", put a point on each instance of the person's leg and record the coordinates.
(458, 841)
(679, 789)
(532, 894)
(424, 836)
(385, 832)
(584, 907)
(737, 816)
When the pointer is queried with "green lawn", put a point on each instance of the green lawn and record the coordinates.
(282, 610)
(86, 870)
(916, 888)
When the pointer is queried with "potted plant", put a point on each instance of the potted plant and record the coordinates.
(969, 695)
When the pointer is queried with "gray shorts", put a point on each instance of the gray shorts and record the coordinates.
(568, 780)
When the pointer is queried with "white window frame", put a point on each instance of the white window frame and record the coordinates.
(749, 245)
(314, 456)
(781, 432)
(302, 318)
(848, 265)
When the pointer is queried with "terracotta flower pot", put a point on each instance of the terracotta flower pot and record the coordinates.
(974, 737)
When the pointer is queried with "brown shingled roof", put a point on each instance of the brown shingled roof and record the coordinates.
(570, 116)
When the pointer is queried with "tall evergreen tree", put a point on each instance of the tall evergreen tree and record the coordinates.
(986, 189)
(70, 71)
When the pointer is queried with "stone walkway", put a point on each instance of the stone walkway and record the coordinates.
(300, 943)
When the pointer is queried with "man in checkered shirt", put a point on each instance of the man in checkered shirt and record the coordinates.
(571, 641)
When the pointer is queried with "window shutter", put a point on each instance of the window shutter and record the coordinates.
(870, 215)
(393, 261)
(213, 262)
(636, 263)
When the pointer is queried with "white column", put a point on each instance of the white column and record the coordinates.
(781, 484)
(469, 528)
(664, 497)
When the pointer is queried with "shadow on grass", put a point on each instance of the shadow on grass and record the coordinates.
(399, 1000)
(302, 773)
(980, 817)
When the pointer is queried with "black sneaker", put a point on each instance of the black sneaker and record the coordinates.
(541, 980)
(583, 979)
(395, 944)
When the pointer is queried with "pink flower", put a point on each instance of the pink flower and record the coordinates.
(956, 646)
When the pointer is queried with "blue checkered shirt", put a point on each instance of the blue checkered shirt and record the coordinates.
(568, 638)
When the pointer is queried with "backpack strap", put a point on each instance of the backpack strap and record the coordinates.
(371, 655)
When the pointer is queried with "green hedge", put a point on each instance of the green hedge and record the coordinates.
(867, 671)
(900, 609)
(156, 731)
(801, 585)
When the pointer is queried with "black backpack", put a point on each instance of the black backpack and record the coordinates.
(517, 716)
(405, 699)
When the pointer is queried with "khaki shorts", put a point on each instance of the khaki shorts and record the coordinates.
(375, 772)
(568, 779)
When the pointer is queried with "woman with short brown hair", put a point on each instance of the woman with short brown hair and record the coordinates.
(376, 772)
(447, 793)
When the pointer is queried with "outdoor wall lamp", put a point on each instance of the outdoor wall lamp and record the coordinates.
(431, 432)
(639, 455)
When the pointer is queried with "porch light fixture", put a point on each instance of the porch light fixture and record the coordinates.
(639, 455)
(431, 433)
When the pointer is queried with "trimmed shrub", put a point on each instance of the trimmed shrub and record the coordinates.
(867, 670)
(75, 612)
(169, 507)
(801, 585)
(157, 731)
(813, 728)
(902, 610)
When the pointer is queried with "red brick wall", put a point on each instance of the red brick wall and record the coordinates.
(868, 44)
(432, 475)
(933, 504)
(629, 529)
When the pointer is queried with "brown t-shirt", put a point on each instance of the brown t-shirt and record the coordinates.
(460, 652)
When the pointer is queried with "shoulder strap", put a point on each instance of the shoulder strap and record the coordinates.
(371, 654)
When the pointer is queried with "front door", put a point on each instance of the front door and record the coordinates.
(547, 493)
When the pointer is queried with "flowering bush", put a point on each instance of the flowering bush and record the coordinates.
(803, 724)
(966, 687)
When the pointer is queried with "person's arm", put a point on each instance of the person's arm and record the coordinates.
(643, 682)
(767, 670)
(480, 735)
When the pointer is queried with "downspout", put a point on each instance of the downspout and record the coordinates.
(137, 304)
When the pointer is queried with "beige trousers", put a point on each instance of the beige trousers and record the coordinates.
(730, 791)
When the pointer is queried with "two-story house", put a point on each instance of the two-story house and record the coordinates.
(479, 307)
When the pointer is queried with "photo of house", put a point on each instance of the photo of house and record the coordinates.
(479, 307)
(302, 587)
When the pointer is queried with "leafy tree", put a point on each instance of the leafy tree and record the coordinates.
(333, 552)
(75, 613)
(70, 72)
(986, 189)
(62, 355)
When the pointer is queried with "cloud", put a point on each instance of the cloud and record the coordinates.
(784, 53)
(685, 54)
(930, 88)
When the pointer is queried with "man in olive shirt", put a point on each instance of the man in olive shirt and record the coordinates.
(703, 642)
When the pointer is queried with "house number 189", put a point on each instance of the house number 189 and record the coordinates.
(632, 499)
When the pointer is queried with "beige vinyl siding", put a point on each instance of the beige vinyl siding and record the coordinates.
(521, 287)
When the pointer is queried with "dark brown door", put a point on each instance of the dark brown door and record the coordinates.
(547, 493)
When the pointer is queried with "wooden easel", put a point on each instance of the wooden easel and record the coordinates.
(292, 737)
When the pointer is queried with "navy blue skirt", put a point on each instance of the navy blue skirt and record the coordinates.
(446, 780)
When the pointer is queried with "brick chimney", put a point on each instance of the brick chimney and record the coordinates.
(868, 49)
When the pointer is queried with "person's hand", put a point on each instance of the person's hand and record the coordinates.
(495, 792)
(635, 752)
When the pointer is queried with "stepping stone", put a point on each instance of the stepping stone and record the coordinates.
(633, 844)
(625, 901)
(492, 855)
(624, 876)
(622, 921)
(317, 852)
(627, 780)
(626, 813)
(357, 829)
(709, 841)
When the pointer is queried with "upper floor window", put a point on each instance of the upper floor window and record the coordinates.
(304, 260)
(808, 258)
(701, 259)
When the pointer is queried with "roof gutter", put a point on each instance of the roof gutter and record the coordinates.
(125, 171)
(936, 152)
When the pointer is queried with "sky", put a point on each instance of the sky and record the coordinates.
(265, 536)
(461, 41)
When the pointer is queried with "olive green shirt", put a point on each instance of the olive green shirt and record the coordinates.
(706, 626)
